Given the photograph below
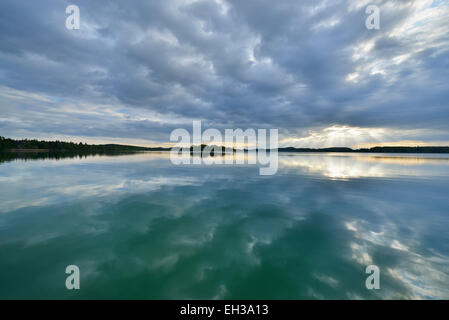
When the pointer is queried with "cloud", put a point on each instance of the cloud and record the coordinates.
(139, 71)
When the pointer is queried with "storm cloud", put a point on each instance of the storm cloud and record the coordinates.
(136, 70)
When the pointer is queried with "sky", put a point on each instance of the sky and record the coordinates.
(137, 70)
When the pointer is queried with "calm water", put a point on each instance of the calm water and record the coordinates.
(139, 227)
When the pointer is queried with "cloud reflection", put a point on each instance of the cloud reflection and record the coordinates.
(140, 227)
(348, 166)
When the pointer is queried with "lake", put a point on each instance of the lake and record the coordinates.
(139, 227)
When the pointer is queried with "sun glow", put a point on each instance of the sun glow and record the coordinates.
(337, 136)
(358, 137)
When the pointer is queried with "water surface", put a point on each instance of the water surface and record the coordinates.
(139, 227)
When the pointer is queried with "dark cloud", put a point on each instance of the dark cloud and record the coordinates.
(139, 70)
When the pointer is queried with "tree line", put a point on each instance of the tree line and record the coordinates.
(7, 144)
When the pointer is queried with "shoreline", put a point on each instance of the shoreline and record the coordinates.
(280, 150)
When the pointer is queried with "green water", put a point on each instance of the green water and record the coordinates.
(139, 227)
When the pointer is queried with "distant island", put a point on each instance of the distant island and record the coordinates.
(24, 146)
(417, 149)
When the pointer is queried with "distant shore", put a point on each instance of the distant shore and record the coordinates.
(59, 147)
(427, 149)
(27, 150)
